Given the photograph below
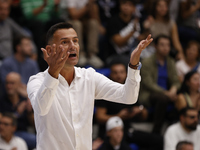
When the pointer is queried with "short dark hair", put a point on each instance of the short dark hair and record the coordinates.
(184, 111)
(54, 28)
(11, 116)
(180, 144)
(124, 1)
(160, 37)
(18, 41)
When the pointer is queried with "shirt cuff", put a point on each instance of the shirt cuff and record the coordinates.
(50, 82)
(134, 74)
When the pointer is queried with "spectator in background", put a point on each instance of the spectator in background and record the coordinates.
(20, 61)
(16, 101)
(83, 15)
(189, 21)
(128, 113)
(123, 29)
(8, 30)
(159, 82)
(8, 141)
(114, 132)
(189, 95)
(184, 145)
(159, 22)
(190, 61)
(186, 129)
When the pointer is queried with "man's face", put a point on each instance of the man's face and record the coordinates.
(4, 10)
(116, 134)
(69, 40)
(163, 47)
(190, 120)
(127, 8)
(192, 52)
(12, 84)
(118, 73)
(6, 127)
(26, 47)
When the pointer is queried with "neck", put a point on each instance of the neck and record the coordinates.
(19, 57)
(7, 139)
(14, 99)
(114, 143)
(125, 18)
(159, 18)
(68, 73)
(191, 63)
(161, 59)
(186, 129)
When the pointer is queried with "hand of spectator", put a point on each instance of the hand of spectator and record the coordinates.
(135, 55)
(135, 111)
(55, 58)
(124, 114)
(148, 22)
(171, 95)
(22, 90)
(22, 107)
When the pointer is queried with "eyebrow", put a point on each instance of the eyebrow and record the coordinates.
(68, 38)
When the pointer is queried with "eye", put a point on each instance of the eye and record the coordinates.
(75, 41)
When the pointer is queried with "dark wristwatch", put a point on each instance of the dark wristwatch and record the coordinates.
(136, 67)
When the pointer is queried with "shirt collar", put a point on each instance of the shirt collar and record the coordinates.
(77, 73)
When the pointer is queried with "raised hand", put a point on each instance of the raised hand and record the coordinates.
(135, 55)
(55, 58)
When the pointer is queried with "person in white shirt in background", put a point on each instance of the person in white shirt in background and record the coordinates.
(63, 96)
(186, 129)
(8, 141)
(184, 145)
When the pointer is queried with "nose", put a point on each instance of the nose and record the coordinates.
(71, 45)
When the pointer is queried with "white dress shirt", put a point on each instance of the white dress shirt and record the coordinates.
(15, 142)
(63, 114)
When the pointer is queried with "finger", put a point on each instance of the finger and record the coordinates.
(66, 56)
(45, 53)
(148, 37)
(53, 49)
(59, 52)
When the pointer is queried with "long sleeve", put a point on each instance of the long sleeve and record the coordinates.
(41, 91)
(112, 91)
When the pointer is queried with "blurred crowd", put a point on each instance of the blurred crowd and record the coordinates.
(108, 31)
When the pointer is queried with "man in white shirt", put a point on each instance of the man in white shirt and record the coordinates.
(8, 141)
(186, 129)
(63, 96)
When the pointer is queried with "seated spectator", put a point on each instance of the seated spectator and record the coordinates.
(8, 141)
(114, 132)
(184, 145)
(20, 61)
(123, 29)
(160, 23)
(188, 21)
(159, 82)
(83, 17)
(15, 102)
(189, 95)
(8, 30)
(128, 113)
(190, 61)
(186, 129)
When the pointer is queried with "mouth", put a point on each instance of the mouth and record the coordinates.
(72, 55)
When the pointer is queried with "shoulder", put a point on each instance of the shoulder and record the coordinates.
(149, 59)
(19, 140)
(31, 62)
(173, 128)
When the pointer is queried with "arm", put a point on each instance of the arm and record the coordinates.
(39, 9)
(127, 93)
(180, 102)
(176, 41)
(121, 41)
(188, 11)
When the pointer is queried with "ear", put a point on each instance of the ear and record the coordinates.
(48, 49)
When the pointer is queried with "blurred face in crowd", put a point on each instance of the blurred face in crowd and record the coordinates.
(115, 135)
(162, 8)
(4, 10)
(25, 47)
(187, 147)
(163, 47)
(127, 8)
(118, 73)
(13, 82)
(6, 127)
(192, 52)
(190, 120)
(69, 40)
(194, 82)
